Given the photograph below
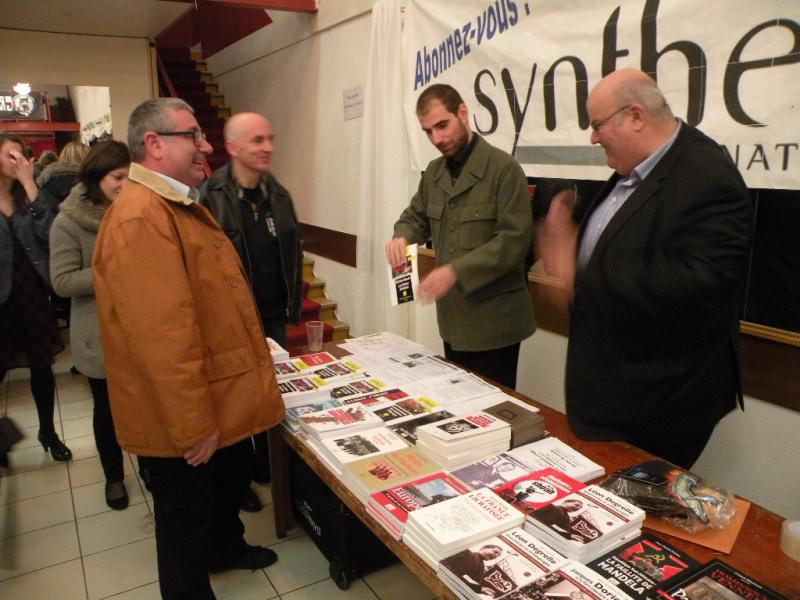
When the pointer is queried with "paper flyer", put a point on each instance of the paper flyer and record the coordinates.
(404, 278)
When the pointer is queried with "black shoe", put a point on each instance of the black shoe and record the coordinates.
(116, 495)
(58, 450)
(251, 502)
(253, 557)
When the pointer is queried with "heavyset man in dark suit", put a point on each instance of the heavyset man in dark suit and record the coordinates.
(656, 269)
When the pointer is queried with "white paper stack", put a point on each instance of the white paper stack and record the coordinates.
(276, 351)
(586, 524)
(552, 452)
(440, 530)
(499, 565)
(460, 440)
(339, 450)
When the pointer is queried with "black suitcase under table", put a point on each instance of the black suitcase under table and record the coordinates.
(350, 547)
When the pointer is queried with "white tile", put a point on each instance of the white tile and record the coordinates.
(36, 513)
(28, 459)
(358, 590)
(74, 410)
(263, 491)
(86, 471)
(64, 582)
(397, 582)
(29, 440)
(259, 528)
(38, 549)
(73, 393)
(114, 528)
(34, 483)
(121, 569)
(146, 592)
(23, 415)
(299, 564)
(19, 387)
(91, 499)
(242, 585)
(82, 447)
(75, 428)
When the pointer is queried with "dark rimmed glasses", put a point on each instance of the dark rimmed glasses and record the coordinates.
(198, 135)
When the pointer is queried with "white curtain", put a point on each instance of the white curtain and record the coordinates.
(384, 171)
(92, 109)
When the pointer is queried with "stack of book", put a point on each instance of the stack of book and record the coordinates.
(552, 452)
(492, 471)
(586, 524)
(441, 530)
(276, 351)
(338, 421)
(499, 565)
(527, 425)
(374, 473)
(572, 581)
(336, 451)
(391, 506)
(407, 429)
(460, 440)
(537, 489)
(295, 367)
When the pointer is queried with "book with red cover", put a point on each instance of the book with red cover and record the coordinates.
(719, 580)
(537, 489)
(400, 500)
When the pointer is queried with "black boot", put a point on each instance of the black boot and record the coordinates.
(58, 450)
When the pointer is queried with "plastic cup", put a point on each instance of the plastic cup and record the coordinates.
(314, 334)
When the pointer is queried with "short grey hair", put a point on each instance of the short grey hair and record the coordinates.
(645, 91)
(152, 115)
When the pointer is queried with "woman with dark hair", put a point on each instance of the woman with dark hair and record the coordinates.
(102, 175)
(28, 329)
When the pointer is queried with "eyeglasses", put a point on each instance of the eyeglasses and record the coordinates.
(198, 135)
(598, 125)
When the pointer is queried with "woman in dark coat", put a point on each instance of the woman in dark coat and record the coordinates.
(28, 329)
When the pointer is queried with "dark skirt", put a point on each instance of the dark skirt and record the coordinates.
(29, 334)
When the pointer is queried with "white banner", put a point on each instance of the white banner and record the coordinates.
(525, 68)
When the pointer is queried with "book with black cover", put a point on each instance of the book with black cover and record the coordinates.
(526, 425)
(644, 565)
(718, 581)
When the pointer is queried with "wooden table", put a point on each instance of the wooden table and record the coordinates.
(756, 552)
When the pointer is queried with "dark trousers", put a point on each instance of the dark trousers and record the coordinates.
(276, 329)
(43, 390)
(499, 365)
(105, 438)
(197, 517)
(683, 453)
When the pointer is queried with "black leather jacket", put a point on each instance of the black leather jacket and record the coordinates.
(220, 194)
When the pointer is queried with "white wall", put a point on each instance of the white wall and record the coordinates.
(122, 64)
(295, 74)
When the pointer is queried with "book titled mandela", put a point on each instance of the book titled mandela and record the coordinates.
(718, 580)
(644, 565)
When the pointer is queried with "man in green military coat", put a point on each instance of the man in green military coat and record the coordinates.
(473, 203)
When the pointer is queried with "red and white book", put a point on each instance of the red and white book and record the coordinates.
(338, 420)
(537, 489)
(395, 503)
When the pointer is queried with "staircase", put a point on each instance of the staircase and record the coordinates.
(193, 83)
(316, 307)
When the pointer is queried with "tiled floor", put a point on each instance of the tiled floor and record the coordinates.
(59, 540)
